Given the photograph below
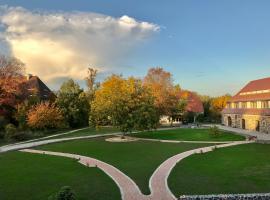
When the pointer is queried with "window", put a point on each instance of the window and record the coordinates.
(253, 104)
(265, 104)
(236, 105)
(244, 104)
(228, 105)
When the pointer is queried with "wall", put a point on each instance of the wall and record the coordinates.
(250, 122)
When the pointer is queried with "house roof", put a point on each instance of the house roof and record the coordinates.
(35, 86)
(247, 111)
(194, 104)
(254, 90)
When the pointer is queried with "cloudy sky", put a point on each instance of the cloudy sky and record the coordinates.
(212, 47)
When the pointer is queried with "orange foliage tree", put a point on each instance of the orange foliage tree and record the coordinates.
(12, 87)
(45, 116)
(161, 85)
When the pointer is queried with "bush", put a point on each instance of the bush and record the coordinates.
(10, 131)
(3, 123)
(45, 116)
(214, 131)
(65, 193)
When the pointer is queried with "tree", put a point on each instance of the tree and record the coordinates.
(12, 87)
(160, 83)
(45, 116)
(219, 103)
(125, 103)
(91, 83)
(10, 67)
(74, 104)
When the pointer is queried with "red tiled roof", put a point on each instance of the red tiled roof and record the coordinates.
(247, 111)
(256, 85)
(194, 104)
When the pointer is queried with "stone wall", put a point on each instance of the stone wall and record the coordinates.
(248, 122)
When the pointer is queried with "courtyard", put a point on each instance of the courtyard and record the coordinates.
(241, 168)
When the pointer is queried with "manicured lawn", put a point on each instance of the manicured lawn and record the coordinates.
(239, 169)
(136, 159)
(84, 132)
(27, 176)
(90, 131)
(189, 135)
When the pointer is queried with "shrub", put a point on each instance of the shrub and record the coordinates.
(10, 131)
(45, 116)
(65, 193)
(214, 131)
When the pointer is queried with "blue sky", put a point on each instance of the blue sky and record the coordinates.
(211, 47)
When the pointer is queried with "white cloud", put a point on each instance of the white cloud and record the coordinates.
(62, 44)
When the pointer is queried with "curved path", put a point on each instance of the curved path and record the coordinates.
(158, 181)
(35, 143)
(129, 190)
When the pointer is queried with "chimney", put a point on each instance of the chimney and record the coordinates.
(29, 76)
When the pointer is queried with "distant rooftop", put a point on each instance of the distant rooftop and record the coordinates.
(254, 90)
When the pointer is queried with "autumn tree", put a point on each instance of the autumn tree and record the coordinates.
(91, 83)
(125, 103)
(45, 116)
(73, 102)
(219, 103)
(213, 107)
(12, 87)
(160, 83)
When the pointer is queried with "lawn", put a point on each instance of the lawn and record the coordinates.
(85, 132)
(189, 135)
(239, 169)
(90, 131)
(136, 159)
(27, 176)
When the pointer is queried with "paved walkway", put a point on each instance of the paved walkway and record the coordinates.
(182, 141)
(42, 142)
(129, 190)
(259, 135)
(47, 140)
(46, 137)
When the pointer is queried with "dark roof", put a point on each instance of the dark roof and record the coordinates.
(35, 86)
(194, 104)
(256, 85)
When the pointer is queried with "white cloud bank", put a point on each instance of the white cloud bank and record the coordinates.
(63, 44)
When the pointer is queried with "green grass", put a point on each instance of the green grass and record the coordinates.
(239, 169)
(90, 131)
(28, 176)
(189, 135)
(136, 159)
(85, 132)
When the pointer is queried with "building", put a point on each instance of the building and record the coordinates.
(250, 107)
(36, 87)
(193, 105)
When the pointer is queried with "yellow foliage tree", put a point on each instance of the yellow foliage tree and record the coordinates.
(124, 103)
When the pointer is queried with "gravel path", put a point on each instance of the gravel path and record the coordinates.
(129, 190)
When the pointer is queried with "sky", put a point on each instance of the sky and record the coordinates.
(211, 47)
